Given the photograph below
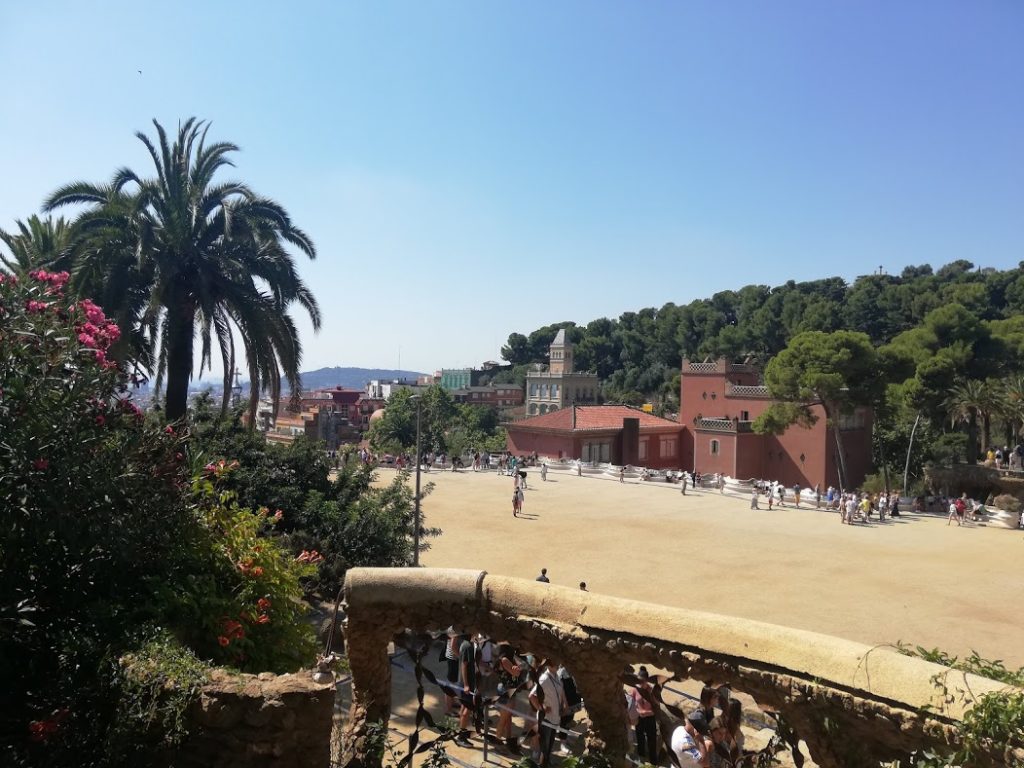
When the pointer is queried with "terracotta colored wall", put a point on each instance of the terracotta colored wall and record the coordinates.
(770, 458)
(724, 461)
(750, 456)
(521, 442)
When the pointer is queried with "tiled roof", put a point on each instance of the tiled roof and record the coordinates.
(594, 417)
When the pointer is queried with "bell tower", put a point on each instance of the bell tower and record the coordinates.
(560, 360)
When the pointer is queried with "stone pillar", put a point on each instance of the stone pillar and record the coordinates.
(598, 680)
(371, 688)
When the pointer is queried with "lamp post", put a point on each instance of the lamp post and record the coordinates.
(419, 461)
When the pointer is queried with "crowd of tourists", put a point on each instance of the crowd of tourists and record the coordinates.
(481, 670)
(482, 674)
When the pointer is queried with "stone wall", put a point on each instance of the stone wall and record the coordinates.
(279, 721)
(852, 704)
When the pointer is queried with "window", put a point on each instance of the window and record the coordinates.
(642, 450)
(744, 415)
(715, 448)
(554, 391)
(533, 390)
(668, 447)
(855, 420)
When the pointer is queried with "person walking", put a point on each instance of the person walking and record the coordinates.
(548, 701)
(622, 474)
(544, 472)
(467, 682)
(753, 498)
(646, 724)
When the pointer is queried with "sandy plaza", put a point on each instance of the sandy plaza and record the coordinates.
(913, 579)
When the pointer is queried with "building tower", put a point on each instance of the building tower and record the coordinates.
(560, 385)
(560, 358)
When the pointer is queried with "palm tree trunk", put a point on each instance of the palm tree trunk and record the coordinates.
(841, 459)
(986, 429)
(910, 447)
(972, 439)
(180, 335)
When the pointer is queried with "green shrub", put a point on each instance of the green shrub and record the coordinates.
(240, 603)
(155, 686)
(93, 517)
(104, 535)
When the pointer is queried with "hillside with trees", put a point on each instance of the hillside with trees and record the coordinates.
(946, 347)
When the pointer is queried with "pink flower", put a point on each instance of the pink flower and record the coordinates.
(87, 340)
(41, 464)
(263, 604)
(36, 306)
(92, 313)
(169, 430)
(263, 619)
(224, 642)
(101, 419)
(278, 515)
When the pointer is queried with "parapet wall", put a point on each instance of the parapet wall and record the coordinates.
(852, 704)
(240, 720)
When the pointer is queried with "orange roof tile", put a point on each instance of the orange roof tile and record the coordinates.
(579, 418)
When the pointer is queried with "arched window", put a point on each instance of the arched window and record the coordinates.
(715, 447)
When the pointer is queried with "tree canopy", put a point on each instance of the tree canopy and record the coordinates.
(179, 254)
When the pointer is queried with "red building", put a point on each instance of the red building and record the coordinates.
(338, 416)
(719, 400)
(618, 434)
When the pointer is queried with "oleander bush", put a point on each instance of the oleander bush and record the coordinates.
(107, 534)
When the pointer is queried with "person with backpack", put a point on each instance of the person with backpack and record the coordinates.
(548, 701)
(510, 676)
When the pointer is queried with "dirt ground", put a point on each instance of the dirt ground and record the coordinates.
(914, 579)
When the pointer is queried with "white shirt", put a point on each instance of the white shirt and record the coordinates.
(685, 748)
(553, 695)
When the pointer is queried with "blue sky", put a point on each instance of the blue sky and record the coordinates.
(472, 169)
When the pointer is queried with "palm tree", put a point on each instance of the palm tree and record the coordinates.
(179, 254)
(990, 404)
(37, 243)
(964, 404)
(1013, 406)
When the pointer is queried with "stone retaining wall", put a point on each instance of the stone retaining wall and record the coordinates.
(852, 704)
(279, 721)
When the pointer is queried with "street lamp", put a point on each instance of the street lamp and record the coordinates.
(419, 460)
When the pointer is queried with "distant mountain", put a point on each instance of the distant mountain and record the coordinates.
(350, 378)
